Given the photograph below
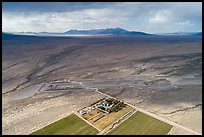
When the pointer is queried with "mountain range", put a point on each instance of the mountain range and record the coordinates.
(183, 33)
(112, 31)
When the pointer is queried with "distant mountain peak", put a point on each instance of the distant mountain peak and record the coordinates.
(105, 31)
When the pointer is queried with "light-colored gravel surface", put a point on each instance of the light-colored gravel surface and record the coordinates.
(35, 115)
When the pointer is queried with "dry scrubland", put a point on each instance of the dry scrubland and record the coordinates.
(29, 61)
(110, 118)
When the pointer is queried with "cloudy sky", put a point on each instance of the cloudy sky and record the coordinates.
(156, 17)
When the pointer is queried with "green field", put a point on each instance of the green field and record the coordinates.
(70, 125)
(141, 124)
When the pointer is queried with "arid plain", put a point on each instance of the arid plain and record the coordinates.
(41, 76)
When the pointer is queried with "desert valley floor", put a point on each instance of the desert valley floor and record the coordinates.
(46, 78)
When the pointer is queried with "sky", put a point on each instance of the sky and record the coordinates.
(150, 17)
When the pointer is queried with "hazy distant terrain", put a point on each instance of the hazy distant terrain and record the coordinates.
(162, 74)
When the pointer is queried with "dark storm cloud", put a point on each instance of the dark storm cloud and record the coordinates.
(52, 6)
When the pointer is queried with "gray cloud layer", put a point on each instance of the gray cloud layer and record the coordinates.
(150, 17)
(52, 6)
